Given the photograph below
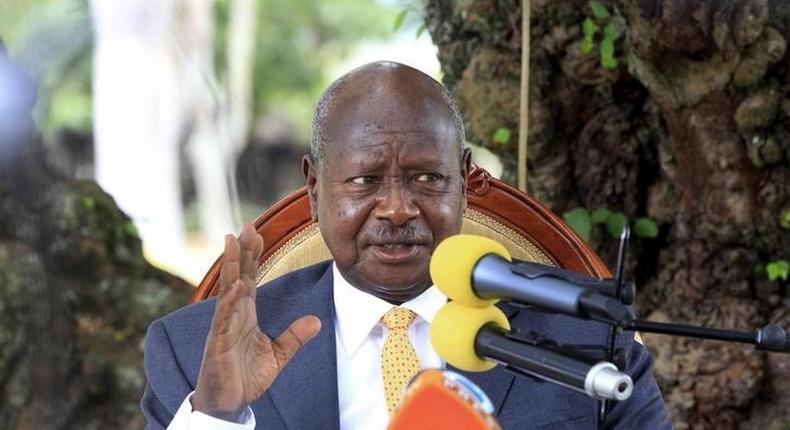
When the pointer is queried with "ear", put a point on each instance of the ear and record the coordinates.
(310, 171)
(466, 167)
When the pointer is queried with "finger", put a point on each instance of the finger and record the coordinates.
(229, 272)
(248, 265)
(248, 237)
(251, 244)
(258, 248)
(226, 303)
(294, 337)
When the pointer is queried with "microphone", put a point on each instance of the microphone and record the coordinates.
(475, 340)
(477, 271)
(443, 400)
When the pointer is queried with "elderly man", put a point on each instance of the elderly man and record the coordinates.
(386, 177)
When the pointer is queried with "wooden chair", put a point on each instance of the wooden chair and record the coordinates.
(528, 229)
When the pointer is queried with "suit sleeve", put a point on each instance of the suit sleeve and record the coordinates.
(645, 408)
(166, 384)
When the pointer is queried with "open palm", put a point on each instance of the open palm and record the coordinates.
(240, 361)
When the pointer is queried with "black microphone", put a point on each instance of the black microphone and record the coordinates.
(476, 339)
(477, 271)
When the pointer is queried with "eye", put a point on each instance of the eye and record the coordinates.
(363, 180)
(428, 177)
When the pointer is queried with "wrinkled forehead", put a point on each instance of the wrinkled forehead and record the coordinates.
(388, 112)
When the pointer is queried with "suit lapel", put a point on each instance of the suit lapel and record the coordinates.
(495, 383)
(305, 393)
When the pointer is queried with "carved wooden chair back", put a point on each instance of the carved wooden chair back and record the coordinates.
(528, 229)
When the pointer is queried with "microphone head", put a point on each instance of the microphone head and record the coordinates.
(443, 400)
(453, 333)
(453, 262)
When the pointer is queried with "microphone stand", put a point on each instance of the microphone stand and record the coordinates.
(625, 236)
(769, 338)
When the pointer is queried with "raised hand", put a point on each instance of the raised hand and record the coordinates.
(240, 362)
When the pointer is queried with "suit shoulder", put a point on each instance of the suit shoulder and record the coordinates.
(294, 284)
(285, 285)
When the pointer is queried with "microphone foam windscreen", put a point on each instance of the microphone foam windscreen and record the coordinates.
(454, 260)
(453, 333)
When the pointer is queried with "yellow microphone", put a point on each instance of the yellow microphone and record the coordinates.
(475, 339)
(454, 330)
(477, 271)
(453, 263)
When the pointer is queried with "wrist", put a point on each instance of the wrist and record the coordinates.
(216, 409)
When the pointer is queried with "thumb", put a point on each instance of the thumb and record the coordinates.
(295, 337)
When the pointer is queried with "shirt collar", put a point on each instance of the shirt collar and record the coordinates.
(357, 312)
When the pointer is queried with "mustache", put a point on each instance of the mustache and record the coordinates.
(390, 234)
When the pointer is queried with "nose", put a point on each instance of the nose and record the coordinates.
(396, 204)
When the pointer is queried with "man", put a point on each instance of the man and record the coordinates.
(386, 178)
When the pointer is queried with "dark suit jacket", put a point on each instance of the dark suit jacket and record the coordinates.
(304, 396)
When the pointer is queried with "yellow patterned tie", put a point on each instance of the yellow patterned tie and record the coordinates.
(399, 362)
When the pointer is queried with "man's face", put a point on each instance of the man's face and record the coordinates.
(391, 187)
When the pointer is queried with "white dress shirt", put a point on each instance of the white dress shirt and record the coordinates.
(359, 336)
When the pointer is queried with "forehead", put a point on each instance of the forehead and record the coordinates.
(384, 120)
(410, 144)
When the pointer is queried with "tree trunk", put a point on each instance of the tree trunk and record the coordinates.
(77, 296)
(691, 129)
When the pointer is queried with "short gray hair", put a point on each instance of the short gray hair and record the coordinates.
(318, 135)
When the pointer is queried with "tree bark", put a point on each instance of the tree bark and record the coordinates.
(690, 129)
(76, 294)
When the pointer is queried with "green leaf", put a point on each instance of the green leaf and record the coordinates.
(607, 47)
(616, 223)
(502, 135)
(779, 269)
(611, 31)
(579, 220)
(785, 220)
(598, 9)
(600, 215)
(587, 45)
(589, 28)
(645, 227)
(399, 19)
(421, 30)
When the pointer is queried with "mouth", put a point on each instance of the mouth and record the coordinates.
(395, 253)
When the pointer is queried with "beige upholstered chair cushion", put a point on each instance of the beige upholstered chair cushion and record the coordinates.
(307, 246)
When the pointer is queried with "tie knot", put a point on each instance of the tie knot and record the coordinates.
(397, 318)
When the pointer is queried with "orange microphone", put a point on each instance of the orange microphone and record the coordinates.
(443, 400)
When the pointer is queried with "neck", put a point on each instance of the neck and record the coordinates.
(396, 295)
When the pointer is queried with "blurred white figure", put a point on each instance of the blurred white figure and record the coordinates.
(209, 148)
(154, 88)
(138, 118)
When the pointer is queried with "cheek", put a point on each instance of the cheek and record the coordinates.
(341, 221)
(445, 218)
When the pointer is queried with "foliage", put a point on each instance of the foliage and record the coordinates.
(399, 19)
(502, 135)
(645, 227)
(779, 269)
(51, 42)
(415, 8)
(784, 221)
(297, 44)
(579, 220)
(611, 32)
(582, 221)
